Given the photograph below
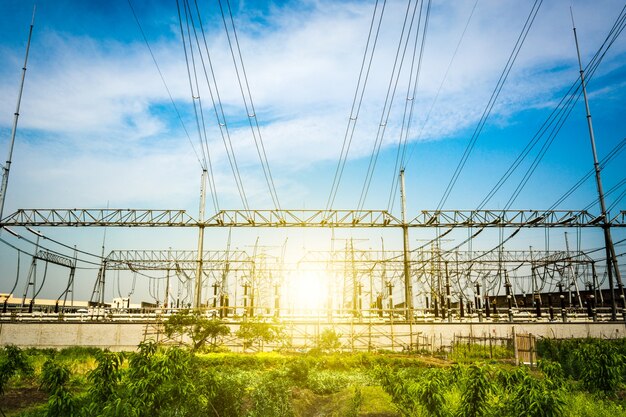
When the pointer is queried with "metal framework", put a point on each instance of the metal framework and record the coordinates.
(313, 218)
(175, 260)
(53, 258)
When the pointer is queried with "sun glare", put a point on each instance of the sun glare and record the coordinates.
(307, 292)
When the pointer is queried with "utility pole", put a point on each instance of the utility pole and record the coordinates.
(7, 165)
(198, 299)
(611, 260)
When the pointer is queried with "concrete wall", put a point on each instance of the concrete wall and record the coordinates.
(126, 336)
(114, 336)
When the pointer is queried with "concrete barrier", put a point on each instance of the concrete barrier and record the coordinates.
(354, 336)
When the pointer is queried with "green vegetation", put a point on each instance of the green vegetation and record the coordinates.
(255, 331)
(199, 328)
(574, 378)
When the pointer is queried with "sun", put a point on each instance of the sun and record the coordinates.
(307, 292)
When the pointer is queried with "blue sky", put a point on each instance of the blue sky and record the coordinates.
(97, 126)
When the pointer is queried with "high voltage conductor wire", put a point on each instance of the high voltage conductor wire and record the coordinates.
(357, 101)
(616, 30)
(406, 160)
(249, 104)
(389, 99)
(42, 248)
(199, 116)
(609, 192)
(617, 200)
(492, 100)
(608, 158)
(559, 114)
(17, 275)
(218, 107)
(164, 83)
(82, 260)
(182, 34)
(407, 116)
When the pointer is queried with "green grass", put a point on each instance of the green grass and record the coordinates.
(337, 384)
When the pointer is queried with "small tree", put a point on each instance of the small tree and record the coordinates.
(255, 331)
(55, 379)
(13, 361)
(329, 341)
(198, 327)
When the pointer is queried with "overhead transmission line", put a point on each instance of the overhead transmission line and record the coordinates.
(409, 104)
(357, 101)
(394, 78)
(608, 158)
(609, 192)
(40, 247)
(553, 124)
(404, 160)
(248, 103)
(614, 33)
(492, 100)
(164, 83)
(197, 101)
(214, 94)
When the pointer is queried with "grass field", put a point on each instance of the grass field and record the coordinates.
(574, 378)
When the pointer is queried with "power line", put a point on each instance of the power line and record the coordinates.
(357, 101)
(389, 98)
(443, 80)
(608, 158)
(218, 108)
(556, 119)
(164, 83)
(615, 31)
(492, 100)
(250, 110)
(199, 116)
(407, 117)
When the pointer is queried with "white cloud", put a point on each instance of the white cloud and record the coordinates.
(103, 104)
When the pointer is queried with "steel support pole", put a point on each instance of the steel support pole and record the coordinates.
(198, 290)
(16, 115)
(611, 261)
(407, 261)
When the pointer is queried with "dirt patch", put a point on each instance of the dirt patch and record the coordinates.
(22, 398)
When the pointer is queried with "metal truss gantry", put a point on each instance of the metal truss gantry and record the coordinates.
(447, 219)
(312, 218)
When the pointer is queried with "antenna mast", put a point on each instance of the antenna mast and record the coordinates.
(7, 166)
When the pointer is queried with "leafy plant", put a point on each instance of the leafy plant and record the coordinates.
(226, 392)
(477, 390)
(54, 379)
(106, 376)
(533, 397)
(356, 403)
(271, 397)
(13, 361)
(329, 341)
(601, 366)
(298, 371)
(256, 331)
(198, 327)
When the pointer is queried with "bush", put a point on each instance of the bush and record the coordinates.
(477, 390)
(271, 397)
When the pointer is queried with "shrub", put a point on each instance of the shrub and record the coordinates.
(271, 397)
(54, 379)
(475, 395)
